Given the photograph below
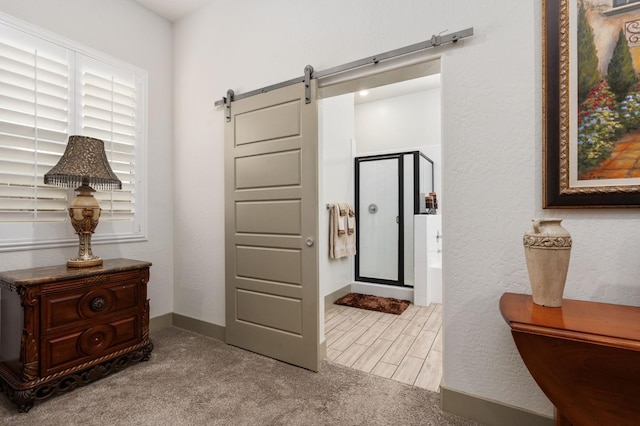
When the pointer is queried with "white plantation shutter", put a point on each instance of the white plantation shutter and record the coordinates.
(110, 112)
(34, 124)
(50, 89)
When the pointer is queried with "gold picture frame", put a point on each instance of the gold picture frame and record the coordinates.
(584, 131)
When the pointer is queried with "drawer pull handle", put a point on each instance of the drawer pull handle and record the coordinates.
(98, 303)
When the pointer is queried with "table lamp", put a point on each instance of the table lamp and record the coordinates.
(83, 166)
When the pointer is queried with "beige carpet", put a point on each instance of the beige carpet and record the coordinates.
(195, 380)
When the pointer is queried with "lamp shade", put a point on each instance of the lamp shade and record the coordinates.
(84, 162)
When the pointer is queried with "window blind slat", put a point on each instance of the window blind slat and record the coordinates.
(22, 55)
(110, 115)
(15, 179)
(30, 131)
(107, 135)
(104, 101)
(115, 196)
(110, 126)
(19, 156)
(108, 93)
(30, 108)
(29, 204)
(122, 144)
(125, 171)
(47, 152)
(29, 191)
(20, 166)
(54, 87)
(120, 157)
(117, 216)
(110, 83)
(19, 117)
(16, 217)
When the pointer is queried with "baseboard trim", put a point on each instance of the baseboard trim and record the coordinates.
(489, 412)
(163, 321)
(198, 326)
(332, 297)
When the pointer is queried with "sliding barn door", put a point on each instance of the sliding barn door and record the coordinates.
(271, 225)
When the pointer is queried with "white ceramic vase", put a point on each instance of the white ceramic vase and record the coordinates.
(547, 249)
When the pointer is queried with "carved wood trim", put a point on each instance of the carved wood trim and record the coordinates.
(29, 351)
(23, 395)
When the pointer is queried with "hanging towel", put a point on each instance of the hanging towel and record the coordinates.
(341, 243)
(351, 220)
(341, 218)
(350, 245)
(334, 238)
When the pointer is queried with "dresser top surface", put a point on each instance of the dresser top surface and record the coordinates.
(45, 274)
(574, 316)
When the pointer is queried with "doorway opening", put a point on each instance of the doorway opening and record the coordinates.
(375, 137)
(399, 117)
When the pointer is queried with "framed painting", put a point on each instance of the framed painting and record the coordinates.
(591, 103)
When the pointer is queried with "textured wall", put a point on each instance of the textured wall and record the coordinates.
(491, 155)
(127, 31)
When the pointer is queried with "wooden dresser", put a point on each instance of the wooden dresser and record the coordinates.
(585, 356)
(62, 328)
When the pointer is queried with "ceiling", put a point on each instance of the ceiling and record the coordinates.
(399, 89)
(172, 10)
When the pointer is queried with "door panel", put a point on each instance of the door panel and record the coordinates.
(267, 264)
(271, 217)
(259, 171)
(277, 312)
(272, 122)
(270, 214)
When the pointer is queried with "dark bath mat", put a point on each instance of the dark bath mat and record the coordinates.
(374, 303)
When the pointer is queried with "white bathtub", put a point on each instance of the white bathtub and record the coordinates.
(434, 283)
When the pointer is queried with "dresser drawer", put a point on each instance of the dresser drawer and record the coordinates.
(67, 350)
(88, 303)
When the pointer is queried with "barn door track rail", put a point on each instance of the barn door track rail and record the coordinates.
(309, 73)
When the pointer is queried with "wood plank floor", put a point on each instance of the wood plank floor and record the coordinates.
(406, 348)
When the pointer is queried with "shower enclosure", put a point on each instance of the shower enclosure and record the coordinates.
(390, 190)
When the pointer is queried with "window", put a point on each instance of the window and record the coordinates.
(51, 88)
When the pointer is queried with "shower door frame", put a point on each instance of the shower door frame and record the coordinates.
(399, 156)
(400, 260)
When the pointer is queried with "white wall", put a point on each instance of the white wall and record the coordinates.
(336, 184)
(491, 133)
(401, 123)
(125, 30)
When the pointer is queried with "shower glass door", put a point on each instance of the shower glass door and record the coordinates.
(378, 213)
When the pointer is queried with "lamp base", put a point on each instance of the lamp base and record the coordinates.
(84, 263)
(84, 212)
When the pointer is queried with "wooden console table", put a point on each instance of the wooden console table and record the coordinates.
(62, 328)
(585, 356)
